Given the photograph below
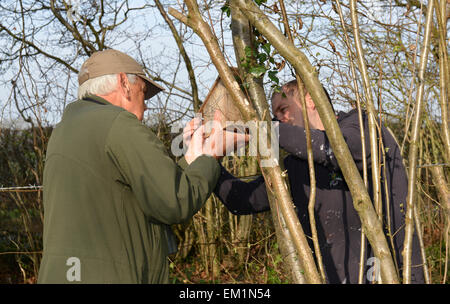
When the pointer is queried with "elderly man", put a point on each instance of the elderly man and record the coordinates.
(110, 189)
(338, 224)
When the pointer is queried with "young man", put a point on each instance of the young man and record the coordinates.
(338, 224)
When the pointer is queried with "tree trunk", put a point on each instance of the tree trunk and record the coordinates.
(211, 237)
(245, 221)
(241, 30)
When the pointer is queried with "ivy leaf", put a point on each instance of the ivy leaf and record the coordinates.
(259, 2)
(273, 76)
(266, 48)
(262, 57)
(226, 9)
(257, 71)
(248, 52)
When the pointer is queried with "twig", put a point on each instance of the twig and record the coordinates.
(312, 175)
(412, 191)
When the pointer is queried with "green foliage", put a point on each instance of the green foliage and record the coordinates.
(257, 71)
(21, 212)
(437, 261)
(259, 58)
(226, 9)
(259, 2)
(263, 262)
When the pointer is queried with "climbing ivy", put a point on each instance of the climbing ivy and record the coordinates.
(259, 59)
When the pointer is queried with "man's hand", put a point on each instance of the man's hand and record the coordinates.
(196, 142)
(221, 142)
(217, 144)
(190, 128)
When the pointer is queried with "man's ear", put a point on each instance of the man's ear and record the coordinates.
(124, 85)
(309, 102)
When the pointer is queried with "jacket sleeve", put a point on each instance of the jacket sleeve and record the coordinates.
(293, 140)
(241, 197)
(166, 193)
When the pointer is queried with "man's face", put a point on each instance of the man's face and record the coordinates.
(287, 109)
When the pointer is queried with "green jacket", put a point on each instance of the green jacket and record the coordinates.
(110, 192)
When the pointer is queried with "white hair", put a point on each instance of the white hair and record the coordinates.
(102, 85)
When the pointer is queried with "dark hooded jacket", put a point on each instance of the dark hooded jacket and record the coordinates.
(338, 224)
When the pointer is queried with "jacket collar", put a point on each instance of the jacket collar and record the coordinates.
(343, 115)
(96, 99)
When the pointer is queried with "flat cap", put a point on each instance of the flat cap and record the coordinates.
(113, 62)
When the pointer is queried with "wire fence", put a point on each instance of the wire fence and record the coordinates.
(30, 188)
(33, 188)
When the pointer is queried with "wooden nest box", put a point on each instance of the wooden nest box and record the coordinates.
(219, 99)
